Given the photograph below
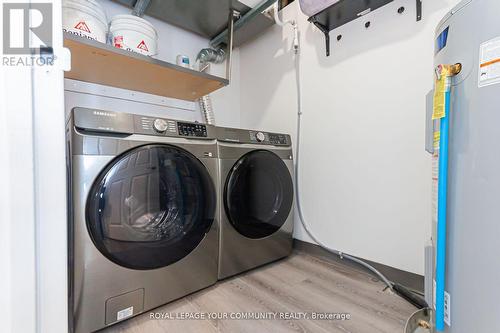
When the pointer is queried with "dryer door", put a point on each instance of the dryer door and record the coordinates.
(258, 194)
(150, 207)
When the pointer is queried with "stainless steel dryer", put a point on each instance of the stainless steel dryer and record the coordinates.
(256, 203)
(143, 227)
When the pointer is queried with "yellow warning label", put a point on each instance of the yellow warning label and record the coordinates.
(440, 90)
(437, 138)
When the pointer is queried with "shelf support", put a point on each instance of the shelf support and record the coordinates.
(140, 7)
(419, 10)
(230, 37)
(252, 13)
(325, 32)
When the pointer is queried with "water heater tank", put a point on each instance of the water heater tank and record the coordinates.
(470, 35)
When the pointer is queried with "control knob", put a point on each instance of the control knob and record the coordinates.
(160, 125)
(260, 137)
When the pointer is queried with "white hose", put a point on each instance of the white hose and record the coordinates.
(277, 18)
(340, 254)
(294, 25)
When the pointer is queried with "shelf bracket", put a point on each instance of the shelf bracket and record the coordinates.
(140, 7)
(325, 32)
(230, 37)
(419, 10)
(251, 14)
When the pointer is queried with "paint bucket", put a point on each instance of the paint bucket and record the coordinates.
(133, 33)
(85, 18)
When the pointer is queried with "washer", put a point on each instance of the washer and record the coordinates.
(257, 197)
(143, 228)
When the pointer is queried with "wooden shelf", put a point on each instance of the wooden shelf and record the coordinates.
(99, 63)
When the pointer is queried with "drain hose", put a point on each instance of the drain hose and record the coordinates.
(402, 291)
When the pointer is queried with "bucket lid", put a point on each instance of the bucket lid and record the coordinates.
(91, 7)
(132, 19)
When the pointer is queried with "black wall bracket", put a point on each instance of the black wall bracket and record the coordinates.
(346, 11)
(325, 31)
(419, 10)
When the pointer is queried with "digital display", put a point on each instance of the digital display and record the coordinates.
(277, 139)
(442, 40)
(187, 129)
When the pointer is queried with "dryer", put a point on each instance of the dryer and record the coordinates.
(256, 198)
(142, 227)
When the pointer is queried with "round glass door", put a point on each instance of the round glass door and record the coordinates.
(151, 207)
(258, 194)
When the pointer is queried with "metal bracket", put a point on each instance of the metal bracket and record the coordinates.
(230, 28)
(419, 10)
(251, 14)
(325, 32)
(140, 7)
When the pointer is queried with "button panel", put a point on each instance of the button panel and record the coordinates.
(278, 139)
(189, 129)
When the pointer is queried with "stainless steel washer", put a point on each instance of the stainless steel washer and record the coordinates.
(256, 199)
(143, 228)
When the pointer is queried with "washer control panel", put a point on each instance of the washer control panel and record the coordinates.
(94, 120)
(190, 129)
(172, 128)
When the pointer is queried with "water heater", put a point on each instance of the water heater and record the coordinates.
(470, 35)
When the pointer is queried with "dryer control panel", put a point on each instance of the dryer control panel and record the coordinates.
(278, 139)
(253, 137)
(269, 138)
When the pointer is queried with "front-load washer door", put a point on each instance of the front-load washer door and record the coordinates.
(150, 207)
(258, 194)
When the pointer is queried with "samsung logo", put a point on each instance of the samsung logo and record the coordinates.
(104, 114)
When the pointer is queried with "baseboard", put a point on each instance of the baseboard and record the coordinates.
(408, 279)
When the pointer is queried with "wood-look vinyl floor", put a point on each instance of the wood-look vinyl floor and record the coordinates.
(298, 284)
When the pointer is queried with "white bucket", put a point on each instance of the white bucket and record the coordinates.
(85, 18)
(135, 34)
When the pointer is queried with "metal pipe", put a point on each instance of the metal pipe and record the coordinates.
(229, 59)
(140, 7)
(441, 227)
(451, 70)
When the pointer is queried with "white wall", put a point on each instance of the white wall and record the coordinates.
(365, 176)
